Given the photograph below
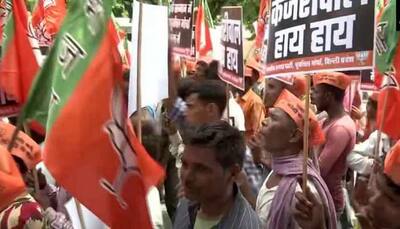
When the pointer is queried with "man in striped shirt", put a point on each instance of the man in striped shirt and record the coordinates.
(212, 159)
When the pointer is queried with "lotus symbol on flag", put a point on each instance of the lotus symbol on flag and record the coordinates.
(381, 45)
(5, 9)
(362, 56)
(389, 80)
(116, 129)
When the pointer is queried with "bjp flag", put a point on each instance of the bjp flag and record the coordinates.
(47, 19)
(388, 71)
(202, 33)
(90, 147)
(18, 64)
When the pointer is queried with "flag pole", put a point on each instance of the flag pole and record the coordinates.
(350, 102)
(306, 132)
(138, 76)
(14, 136)
(34, 171)
(228, 96)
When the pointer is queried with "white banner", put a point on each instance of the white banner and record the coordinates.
(154, 56)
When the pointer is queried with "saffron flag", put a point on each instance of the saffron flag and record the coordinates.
(202, 31)
(18, 64)
(11, 183)
(90, 148)
(47, 19)
(261, 26)
(388, 71)
(3, 15)
(119, 36)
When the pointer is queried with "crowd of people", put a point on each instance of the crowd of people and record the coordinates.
(234, 159)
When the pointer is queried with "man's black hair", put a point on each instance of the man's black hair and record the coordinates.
(20, 164)
(184, 87)
(212, 72)
(338, 94)
(211, 91)
(226, 141)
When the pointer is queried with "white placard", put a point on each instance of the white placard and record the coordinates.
(154, 56)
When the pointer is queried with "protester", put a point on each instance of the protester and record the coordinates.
(339, 129)
(155, 139)
(296, 84)
(251, 103)
(362, 156)
(236, 116)
(22, 211)
(383, 206)
(201, 72)
(283, 138)
(205, 102)
(253, 64)
(212, 159)
(372, 108)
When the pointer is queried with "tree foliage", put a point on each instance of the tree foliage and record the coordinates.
(123, 8)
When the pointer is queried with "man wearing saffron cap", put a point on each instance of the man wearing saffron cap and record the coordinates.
(339, 128)
(251, 103)
(383, 206)
(18, 209)
(283, 138)
(25, 209)
(296, 84)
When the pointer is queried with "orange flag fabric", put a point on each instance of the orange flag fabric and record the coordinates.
(90, 147)
(202, 32)
(47, 19)
(11, 183)
(18, 65)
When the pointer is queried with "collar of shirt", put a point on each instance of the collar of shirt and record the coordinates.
(247, 96)
(237, 209)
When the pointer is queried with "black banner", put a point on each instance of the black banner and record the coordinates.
(367, 81)
(180, 27)
(232, 67)
(312, 35)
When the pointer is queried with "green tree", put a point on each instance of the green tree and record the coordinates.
(123, 8)
(250, 10)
